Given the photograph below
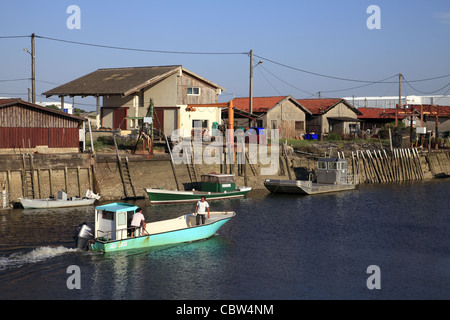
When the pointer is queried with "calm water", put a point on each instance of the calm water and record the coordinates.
(277, 247)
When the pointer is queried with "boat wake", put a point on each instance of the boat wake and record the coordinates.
(37, 255)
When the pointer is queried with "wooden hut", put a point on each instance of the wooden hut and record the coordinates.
(24, 125)
(280, 112)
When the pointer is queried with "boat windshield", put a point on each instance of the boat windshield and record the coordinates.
(322, 165)
(217, 179)
(332, 165)
(229, 179)
(342, 165)
(210, 179)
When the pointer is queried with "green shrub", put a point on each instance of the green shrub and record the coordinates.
(332, 136)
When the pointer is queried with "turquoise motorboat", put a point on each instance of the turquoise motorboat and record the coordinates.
(112, 232)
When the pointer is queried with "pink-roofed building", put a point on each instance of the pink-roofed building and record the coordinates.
(331, 115)
(281, 112)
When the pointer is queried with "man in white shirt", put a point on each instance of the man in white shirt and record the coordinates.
(200, 210)
(136, 221)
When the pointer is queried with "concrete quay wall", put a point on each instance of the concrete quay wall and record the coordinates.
(43, 175)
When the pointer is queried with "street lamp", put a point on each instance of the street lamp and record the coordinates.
(33, 77)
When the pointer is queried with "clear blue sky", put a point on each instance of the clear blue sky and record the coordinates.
(327, 37)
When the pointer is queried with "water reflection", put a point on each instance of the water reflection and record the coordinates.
(176, 270)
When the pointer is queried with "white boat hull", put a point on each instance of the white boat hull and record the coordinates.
(54, 203)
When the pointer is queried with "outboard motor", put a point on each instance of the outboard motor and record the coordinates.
(82, 236)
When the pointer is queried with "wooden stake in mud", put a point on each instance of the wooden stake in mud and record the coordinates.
(367, 169)
(416, 152)
(388, 166)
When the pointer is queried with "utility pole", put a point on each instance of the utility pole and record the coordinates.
(33, 75)
(436, 126)
(399, 98)
(250, 100)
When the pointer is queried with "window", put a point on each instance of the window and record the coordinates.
(194, 91)
(108, 215)
(203, 124)
(122, 218)
(322, 165)
(299, 125)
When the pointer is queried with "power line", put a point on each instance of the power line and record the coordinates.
(270, 83)
(11, 37)
(429, 79)
(426, 92)
(285, 81)
(315, 73)
(329, 91)
(445, 93)
(346, 79)
(11, 80)
(14, 94)
(137, 49)
(365, 85)
(48, 82)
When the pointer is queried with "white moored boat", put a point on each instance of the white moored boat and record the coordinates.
(61, 202)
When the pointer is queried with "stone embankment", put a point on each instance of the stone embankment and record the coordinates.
(42, 176)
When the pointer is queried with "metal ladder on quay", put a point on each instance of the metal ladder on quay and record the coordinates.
(128, 187)
(252, 167)
(190, 165)
(124, 170)
(28, 176)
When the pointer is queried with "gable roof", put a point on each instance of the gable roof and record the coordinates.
(4, 103)
(264, 104)
(321, 106)
(372, 113)
(120, 81)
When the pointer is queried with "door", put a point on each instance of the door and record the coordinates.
(119, 118)
(158, 120)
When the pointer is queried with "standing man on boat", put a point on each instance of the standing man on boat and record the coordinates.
(200, 210)
(137, 221)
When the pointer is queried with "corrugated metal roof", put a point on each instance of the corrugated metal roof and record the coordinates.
(12, 102)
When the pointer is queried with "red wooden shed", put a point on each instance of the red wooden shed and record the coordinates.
(26, 125)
